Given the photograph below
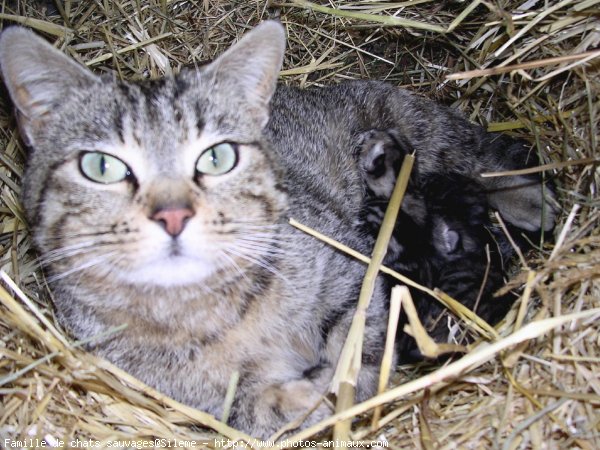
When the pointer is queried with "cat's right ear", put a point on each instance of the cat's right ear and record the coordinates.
(38, 77)
(250, 68)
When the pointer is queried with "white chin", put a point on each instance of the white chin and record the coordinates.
(173, 271)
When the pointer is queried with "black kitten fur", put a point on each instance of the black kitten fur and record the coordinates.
(443, 239)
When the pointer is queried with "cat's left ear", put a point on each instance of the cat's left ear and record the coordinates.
(250, 68)
(38, 76)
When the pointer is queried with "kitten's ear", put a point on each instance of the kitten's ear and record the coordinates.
(252, 65)
(37, 75)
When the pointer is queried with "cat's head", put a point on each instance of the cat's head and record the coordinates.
(165, 182)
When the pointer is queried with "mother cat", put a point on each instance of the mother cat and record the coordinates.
(164, 205)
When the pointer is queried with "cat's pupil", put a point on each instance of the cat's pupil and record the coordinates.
(213, 158)
(103, 165)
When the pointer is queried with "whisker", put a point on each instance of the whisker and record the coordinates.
(260, 249)
(62, 253)
(257, 261)
(74, 250)
(86, 265)
(231, 262)
(70, 236)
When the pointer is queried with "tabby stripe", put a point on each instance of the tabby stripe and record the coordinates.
(259, 198)
(262, 279)
(331, 320)
(45, 189)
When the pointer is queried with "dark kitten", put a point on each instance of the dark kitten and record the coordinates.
(443, 237)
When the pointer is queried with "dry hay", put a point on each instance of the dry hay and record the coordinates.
(529, 68)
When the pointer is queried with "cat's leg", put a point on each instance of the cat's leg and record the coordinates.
(522, 200)
(373, 341)
(264, 409)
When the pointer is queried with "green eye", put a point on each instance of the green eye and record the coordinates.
(103, 168)
(217, 160)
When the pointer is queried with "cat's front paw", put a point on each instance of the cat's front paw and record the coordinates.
(280, 407)
(297, 400)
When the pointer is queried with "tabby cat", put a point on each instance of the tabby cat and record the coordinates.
(164, 204)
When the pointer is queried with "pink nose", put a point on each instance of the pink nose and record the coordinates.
(173, 220)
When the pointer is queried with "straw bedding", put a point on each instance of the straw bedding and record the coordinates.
(528, 68)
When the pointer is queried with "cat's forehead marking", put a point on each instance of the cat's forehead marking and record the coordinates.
(152, 111)
(171, 127)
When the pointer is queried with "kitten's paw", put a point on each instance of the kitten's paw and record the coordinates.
(528, 206)
(379, 156)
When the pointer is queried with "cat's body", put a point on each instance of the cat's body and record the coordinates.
(165, 206)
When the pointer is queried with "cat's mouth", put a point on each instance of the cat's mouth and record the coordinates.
(175, 250)
(175, 264)
(174, 269)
